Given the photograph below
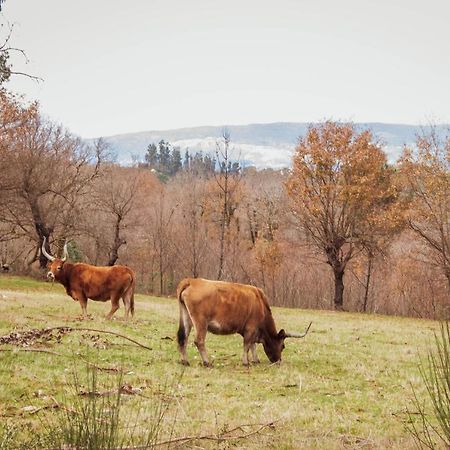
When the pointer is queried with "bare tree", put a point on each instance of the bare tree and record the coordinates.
(227, 180)
(159, 230)
(426, 174)
(192, 226)
(6, 50)
(116, 196)
(49, 171)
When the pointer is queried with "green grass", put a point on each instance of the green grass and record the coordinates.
(346, 385)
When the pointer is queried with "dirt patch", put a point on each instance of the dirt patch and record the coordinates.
(95, 340)
(49, 335)
(35, 337)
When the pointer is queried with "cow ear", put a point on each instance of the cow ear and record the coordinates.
(281, 334)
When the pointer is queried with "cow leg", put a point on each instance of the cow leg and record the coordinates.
(183, 333)
(128, 301)
(245, 354)
(83, 303)
(200, 342)
(114, 306)
(255, 358)
(247, 345)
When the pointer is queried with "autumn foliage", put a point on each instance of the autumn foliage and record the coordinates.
(342, 194)
(342, 214)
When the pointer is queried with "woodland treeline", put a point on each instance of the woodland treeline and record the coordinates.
(340, 229)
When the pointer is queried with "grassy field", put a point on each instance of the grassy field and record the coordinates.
(346, 385)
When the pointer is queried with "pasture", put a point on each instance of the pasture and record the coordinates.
(346, 385)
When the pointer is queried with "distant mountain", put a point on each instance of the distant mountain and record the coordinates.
(260, 145)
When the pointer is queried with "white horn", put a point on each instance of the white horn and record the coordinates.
(44, 252)
(299, 335)
(65, 253)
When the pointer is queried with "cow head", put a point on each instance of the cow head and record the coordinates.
(55, 265)
(274, 346)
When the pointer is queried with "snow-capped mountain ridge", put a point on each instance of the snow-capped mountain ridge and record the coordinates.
(261, 145)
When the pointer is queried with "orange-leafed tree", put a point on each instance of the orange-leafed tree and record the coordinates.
(426, 174)
(342, 193)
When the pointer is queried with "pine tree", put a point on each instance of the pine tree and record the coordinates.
(152, 157)
(164, 156)
(175, 161)
(187, 160)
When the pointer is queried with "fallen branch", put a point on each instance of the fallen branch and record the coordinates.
(124, 389)
(102, 331)
(18, 337)
(207, 437)
(35, 409)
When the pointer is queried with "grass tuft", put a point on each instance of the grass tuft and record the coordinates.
(433, 429)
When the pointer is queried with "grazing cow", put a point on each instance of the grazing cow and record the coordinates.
(228, 308)
(83, 281)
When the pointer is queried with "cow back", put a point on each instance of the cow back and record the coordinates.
(226, 308)
(99, 282)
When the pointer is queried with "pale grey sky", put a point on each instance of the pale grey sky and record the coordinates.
(111, 67)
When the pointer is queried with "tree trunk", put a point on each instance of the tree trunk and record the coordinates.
(118, 242)
(339, 290)
(222, 249)
(367, 286)
(41, 229)
(161, 276)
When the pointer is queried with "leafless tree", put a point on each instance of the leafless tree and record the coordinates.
(192, 227)
(159, 231)
(227, 180)
(116, 196)
(49, 172)
(426, 174)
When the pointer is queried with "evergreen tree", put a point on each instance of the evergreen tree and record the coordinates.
(209, 164)
(175, 161)
(187, 161)
(152, 157)
(164, 156)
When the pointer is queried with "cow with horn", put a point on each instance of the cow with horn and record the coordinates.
(227, 308)
(99, 283)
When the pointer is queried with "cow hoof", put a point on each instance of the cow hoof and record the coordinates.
(185, 363)
(207, 364)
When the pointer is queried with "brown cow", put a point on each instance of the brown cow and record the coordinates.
(83, 281)
(228, 308)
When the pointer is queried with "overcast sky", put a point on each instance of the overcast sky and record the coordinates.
(111, 67)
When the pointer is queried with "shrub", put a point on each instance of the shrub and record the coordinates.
(433, 430)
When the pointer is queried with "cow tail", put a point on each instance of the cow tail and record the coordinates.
(133, 288)
(184, 314)
(181, 287)
(129, 292)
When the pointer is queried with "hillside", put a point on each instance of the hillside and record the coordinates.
(261, 145)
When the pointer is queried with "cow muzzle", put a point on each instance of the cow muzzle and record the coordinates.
(50, 276)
